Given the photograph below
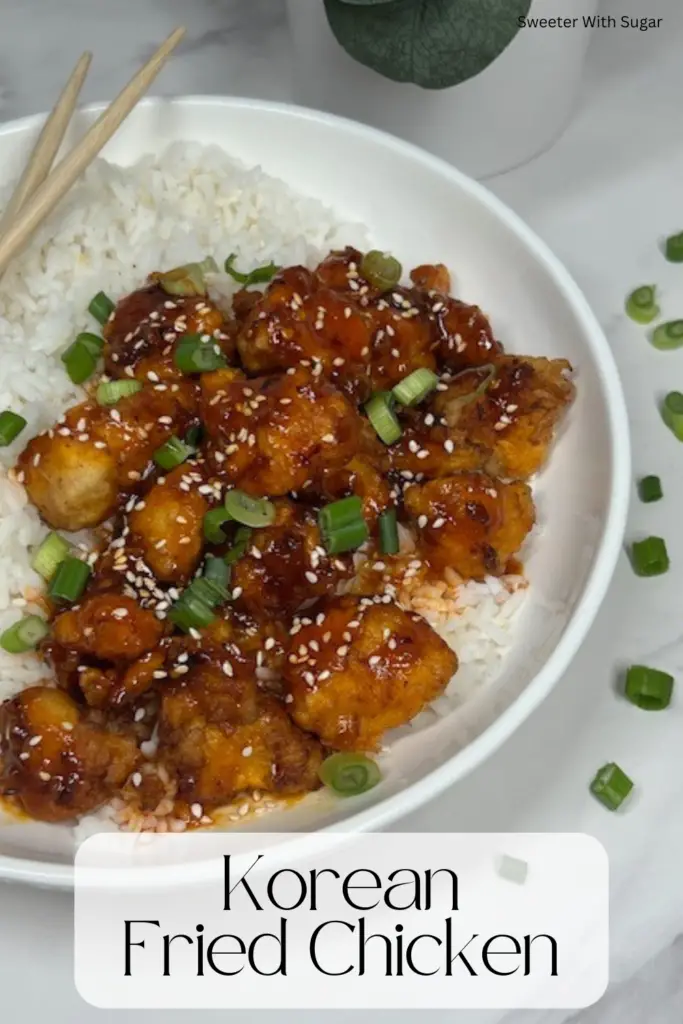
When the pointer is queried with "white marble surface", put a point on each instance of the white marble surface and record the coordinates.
(624, 151)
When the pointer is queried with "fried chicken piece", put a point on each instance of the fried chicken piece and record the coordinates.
(109, 626)
(462, 334)
(515, 416)
(54, 761)
(271, 435)
(167, 524)
(362, 667)
(141, 336)
(221, 735)
(76, 472)
(426, 448)
(296, 322)
(432, 278)
(361, 478)
(471, 522)
(403, 339)
(286, 564)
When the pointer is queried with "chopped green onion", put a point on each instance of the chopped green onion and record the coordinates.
(415, 387)
(109, 392)
(173, 453)
(673, 248)
(650, 489)
(11, 425)
(668, 336)
(672, 413)
(69, 580)
(192, 355)
(191, 611)
(641, 304)
(80, 359)
(381, 270)
(240, 544)
(256, 512)
(24, 635)
(194, 436)
(217, 571)
(213, 521)
(380, 411)
(209, 591)
(261, 275)
(50, 555)
(649, 557)
(388, 532)
(342, 525)
(101, 307)
(195, 607)
(611, 786)
(349, 774)
(189, 279)
(648, 688)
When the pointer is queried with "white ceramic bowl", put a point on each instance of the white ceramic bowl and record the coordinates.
(423, 210)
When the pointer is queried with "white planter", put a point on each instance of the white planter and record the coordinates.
(503, 117)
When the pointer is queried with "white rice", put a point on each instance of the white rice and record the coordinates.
(114, 228)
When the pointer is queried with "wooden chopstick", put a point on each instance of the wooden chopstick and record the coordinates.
(58, 183)
(49, 141)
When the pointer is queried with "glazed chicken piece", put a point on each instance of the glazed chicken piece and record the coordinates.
(361, 478)
(142, 333)
(462, 335)
(516, 414)
(272, 435)
(403, 340)
(427, 449)
(358, 667)
(221, 735)
(340, 271)
(432, 277)
(287, 564)
(471, 522)
(76, 472)
(166, 524)
(109, 626)
(54, 761)
(296, 322)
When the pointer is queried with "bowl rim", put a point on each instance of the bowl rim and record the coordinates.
(462, 763)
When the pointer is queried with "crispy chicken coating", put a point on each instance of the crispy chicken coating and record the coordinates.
(221, 735)
(111, 627)
(167, 524)
(76, 472)
(515, 416)
(271, 435)
(362, 667)
(55, 762)
(403, 339)
(427, 448)
(141, 335)
(287, 564)
(297, 321)
(471, 522)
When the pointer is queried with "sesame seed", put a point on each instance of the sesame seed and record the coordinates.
(247, 751)
(44, 776)
(311, 577)
(438, 523)
(34, 741)
(422, 522)
(374, 660)
(197, 810)
(342, 651)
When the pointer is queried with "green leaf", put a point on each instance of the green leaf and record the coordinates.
(432, 43)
